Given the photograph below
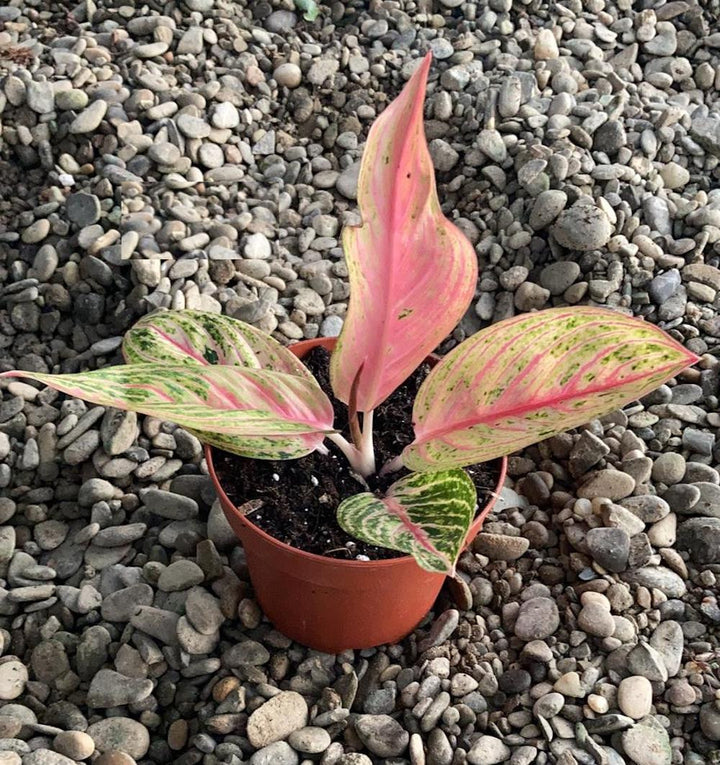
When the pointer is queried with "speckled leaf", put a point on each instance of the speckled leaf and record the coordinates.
(309, 8)
(201, 337)
(424, 514)
(532, 376)
(256, 412)
(412, 272)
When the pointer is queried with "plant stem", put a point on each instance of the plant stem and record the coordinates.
(392, 466)
(367, 448)
(362, 460)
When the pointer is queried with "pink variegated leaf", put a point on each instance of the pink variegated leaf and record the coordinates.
(202, 337)
(412, 272)
(533, 376)
(425, 514)
(255, 412)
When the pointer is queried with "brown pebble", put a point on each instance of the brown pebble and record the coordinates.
(114, 757)
(223, 687)
(74, 744)
(177, 735)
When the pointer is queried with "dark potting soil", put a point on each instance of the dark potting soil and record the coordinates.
(300, 497)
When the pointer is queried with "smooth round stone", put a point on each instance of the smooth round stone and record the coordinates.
(180, 575)
(583, 227)
(83, 209)
(257, 247)
(74, 744)
(596, 620)
(114, 757)
(669, 468)
(111, 689)
(225, 116)
(13, 676)
(557, 277)
(674, 176)
(203, 611)
(288, 75)
(635, 696)
(538, 618)
(309, 740)
(71, 100)
(36, 231)
(10, 758)
(192, 127)
(164, 153)
(710, 720)
(211, 155)
(570, 684)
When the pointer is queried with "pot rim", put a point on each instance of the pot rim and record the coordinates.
(299, 349)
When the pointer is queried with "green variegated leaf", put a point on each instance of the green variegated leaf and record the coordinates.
(254, 412)
(532, 376)
(201, 337)
(425, 514)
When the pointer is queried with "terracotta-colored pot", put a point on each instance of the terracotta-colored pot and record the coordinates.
(329, 604)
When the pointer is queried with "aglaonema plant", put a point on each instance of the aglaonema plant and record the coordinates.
(412, 276)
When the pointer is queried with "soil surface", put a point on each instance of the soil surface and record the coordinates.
(300, 497)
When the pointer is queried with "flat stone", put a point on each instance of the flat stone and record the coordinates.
(668, 582)
(13, 676)
(647, 743)
(500, 546)
(667, 640)
(121, 605)
(610, 484)
(203, 611)
(180, 575)
(609, 547)
(382, 735)
(167, 504)
(277, 718)
(89, 118)
(488, 750)
(118, 431)
(111, 689)
(277, 753)
(309, 740)
(120, 733)
(644, 660)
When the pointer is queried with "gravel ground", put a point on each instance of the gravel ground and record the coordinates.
(204, 154)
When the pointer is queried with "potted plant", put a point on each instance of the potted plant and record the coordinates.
(412, 275)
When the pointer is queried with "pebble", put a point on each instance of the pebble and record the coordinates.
(609, 547)
(647, 743)
(382, 735)
(488, 750)
(537, 619)
(582, 227)
(635, 696)
(120, 733)
(277, 718)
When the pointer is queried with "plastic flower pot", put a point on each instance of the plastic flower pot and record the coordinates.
(328, 604)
